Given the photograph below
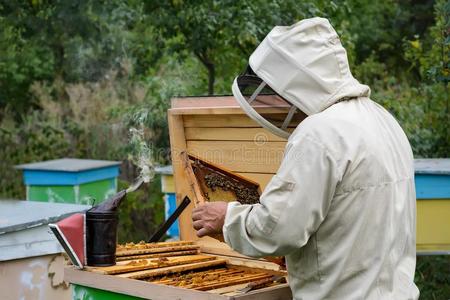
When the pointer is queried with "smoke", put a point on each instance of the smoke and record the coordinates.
(142, 152)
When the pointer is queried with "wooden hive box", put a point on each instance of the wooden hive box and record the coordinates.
(217, 130)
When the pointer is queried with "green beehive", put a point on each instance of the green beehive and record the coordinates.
(70, 180)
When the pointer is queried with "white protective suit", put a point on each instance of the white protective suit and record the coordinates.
(342, 205)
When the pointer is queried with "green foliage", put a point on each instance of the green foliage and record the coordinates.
(222, 34)
(421, 108)
(35, 140)
(432, 277)
(430, 56)
(141, 212)
(77, 42)
(422, 112)
(75, 120)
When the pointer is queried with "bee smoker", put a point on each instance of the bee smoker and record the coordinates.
(101, 232)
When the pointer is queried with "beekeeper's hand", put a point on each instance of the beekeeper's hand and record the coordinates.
(209, 218)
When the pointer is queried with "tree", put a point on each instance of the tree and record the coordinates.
(75, 41)
(221, 34)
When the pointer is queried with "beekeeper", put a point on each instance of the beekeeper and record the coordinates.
(342, 206)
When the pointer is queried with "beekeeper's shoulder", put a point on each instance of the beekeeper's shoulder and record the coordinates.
(328, 130)
(319, 127)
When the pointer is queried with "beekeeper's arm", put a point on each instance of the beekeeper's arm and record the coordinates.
(293, 205)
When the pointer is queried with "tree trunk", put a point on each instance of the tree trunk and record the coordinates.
(211, 78)
(211, 71)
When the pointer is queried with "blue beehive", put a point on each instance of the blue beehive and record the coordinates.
(70, 180)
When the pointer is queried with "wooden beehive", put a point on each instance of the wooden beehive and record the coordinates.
(217, 130)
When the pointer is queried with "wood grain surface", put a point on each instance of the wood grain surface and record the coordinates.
(151, 263)
(173, 269)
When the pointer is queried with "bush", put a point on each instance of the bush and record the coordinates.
(141, 212)
(432, 277)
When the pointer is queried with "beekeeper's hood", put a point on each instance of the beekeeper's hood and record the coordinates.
(305, 64)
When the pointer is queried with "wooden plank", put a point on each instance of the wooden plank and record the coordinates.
(253, 263)
(230, 121)
(162, 260)
(154, 255)
(177, 146)
(258, 135)
(204, 101)
(221, 102)
(241, 279)
(144, 245)
(155, 250)
(207, 111)
(209, 245)
(218, 111)
(192, 180)
(152, 263)
(173, 269)
(247, 157)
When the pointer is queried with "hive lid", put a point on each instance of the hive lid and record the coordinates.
(16, 215)
(68, 165)
(432, 166)
(24, 231)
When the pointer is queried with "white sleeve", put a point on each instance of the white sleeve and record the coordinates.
(292, 206)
